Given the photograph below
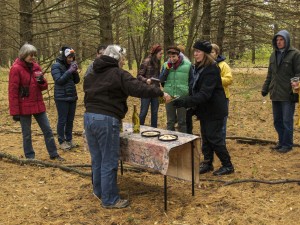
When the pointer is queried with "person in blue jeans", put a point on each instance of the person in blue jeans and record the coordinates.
(284, 65)
(26, 83)
(106, 91)
(150, 68)
(65, 76)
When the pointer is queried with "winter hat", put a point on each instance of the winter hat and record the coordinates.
(204, 46)
(67, 51)
(115, 51)
(173, 50)
(155, 49)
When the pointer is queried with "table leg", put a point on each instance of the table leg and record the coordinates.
(121, 162)
(165, 192)
(193, 169)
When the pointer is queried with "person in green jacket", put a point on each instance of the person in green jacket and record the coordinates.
(175, 77)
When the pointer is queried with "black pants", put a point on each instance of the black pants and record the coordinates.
(213, 142)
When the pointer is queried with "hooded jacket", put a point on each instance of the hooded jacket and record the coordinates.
(280, 72)
(64, 81)
(106, 89)
(21, 75)
(226, 75)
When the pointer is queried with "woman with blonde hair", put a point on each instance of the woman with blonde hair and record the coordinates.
(207, 99)
(226, 77)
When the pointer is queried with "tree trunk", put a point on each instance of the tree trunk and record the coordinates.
(206, 20)
(25, 21)
(221, 24)
(168, 24)
(148, 28)
(105, 22)
(192, 27)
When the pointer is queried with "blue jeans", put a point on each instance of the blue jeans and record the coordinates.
(103, 137)
(66, 113)
(283, 115)
(43, 122)
(145, 102)
(176, 115)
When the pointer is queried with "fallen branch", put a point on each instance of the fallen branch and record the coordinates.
(41, 163)
(226, 183)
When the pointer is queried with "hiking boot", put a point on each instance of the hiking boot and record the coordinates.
(121, 203)
(72, 144)
(205, 168)
(223, 170)
(57, 157)
(65, 146)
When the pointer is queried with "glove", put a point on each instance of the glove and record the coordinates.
(73, 68)
(264, 93)
(40, 79)
(16, 118)
(179, 102)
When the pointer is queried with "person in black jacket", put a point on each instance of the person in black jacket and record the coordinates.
(208, 102)
(105, 99)
(65, 76)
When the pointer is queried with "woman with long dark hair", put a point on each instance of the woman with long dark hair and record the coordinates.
(148, 71)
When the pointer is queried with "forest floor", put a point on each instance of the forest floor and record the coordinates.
(45, 195)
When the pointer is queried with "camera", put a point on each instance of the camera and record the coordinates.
(24, 91)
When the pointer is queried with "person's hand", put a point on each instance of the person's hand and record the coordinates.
(73, 68)
(167, 97)
(264, 93)
(148, 81)
(16, 118)
(179, 102)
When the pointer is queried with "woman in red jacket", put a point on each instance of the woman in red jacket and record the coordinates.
(26, 83)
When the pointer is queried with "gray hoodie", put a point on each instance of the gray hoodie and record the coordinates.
(281, 69)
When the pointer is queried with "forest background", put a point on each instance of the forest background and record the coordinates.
(242, 28)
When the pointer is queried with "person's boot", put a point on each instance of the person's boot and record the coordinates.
(223, 170)
(205, 167)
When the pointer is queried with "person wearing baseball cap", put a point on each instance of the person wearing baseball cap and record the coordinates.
(207, 101)
(65, 76)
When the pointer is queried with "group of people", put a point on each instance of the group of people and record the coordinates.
(26, 83)
(199, 89)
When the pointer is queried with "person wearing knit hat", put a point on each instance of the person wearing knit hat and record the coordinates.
(175, 77)
(148, 72)
(65, 76)
(207, 101)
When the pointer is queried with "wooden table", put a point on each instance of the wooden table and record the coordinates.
(179, 159)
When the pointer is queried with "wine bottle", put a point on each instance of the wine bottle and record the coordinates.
(135, 120)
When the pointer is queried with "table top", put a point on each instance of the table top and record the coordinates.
(150, 152)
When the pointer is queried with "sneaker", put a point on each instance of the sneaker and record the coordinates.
(65, 146)
(121, 203)
(205, 168)
(284, 149)
(72, 144)
(223, 170)
(57, 157)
